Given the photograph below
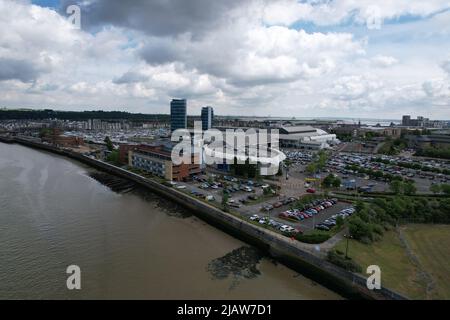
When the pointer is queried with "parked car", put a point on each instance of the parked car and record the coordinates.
(277, 204)
(287, 229)
(311, 190)
(274, 223)
(267, 207)
(322, 227)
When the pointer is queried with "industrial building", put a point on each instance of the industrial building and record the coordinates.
(306, 137)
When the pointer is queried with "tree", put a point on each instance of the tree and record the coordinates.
(44, 132)
(225, 198)
(396, 186)
(337, 182)
(113, 157)
(339, 222)
(311, 168)
(328, 181)
(409, 188)
(109, 143)
(445, 188)
(359, 229)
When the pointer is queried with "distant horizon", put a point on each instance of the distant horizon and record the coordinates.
(230, 115)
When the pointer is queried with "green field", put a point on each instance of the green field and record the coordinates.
(431, 245)
(418, 266)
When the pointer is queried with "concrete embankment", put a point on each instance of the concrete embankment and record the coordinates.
(282, 248)
(5, 139)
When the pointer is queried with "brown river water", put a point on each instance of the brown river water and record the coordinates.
(133, 245)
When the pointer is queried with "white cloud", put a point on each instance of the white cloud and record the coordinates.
(364, 12)
(446, 66)
(383, 61)
(248, 59)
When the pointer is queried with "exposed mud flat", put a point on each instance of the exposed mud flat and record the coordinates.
(241, 263)
(120, 185)
(168, 207)
(116, 184)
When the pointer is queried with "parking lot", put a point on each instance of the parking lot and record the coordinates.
(339, 164)
(305, 224)
(279, 211)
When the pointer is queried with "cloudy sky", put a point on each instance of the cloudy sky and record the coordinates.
(342, 58)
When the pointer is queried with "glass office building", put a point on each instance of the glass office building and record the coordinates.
(178, 117)
(207, 118)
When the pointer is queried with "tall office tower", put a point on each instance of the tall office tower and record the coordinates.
(207, 118)
(178, 117)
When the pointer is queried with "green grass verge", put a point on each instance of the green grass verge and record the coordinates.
(431, 246)
(397, 270)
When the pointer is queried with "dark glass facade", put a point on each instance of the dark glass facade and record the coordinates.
(178, 117)
(207, 118)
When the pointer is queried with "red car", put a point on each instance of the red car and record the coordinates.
(311, 190)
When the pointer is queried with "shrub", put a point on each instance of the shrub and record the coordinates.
(312, 238)
(347, 264)
(377, 229)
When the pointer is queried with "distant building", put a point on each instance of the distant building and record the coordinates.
(306, 137)
(178, 116)
(406, 121)
(156, 159)
(424, 141)
(58, 139)
(380, 131)
(423, 122)
(124, 149)
(207, 118)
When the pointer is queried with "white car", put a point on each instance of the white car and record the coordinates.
(181, 187)
(254, 217)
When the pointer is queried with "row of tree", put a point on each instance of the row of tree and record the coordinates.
(373, 218)
(78, 115)
(434, 152)
(393, 147)
(440, 188)
(403, 187)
